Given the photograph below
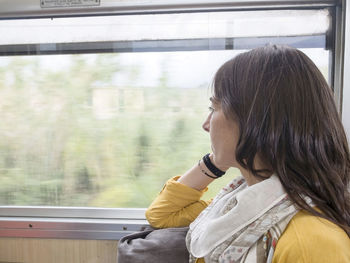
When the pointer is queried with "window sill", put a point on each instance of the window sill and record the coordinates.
(71, 227)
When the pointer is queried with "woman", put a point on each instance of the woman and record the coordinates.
(273, 117)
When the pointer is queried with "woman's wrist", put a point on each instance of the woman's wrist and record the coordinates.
(221, 167)
(212, 167)
(196, 177)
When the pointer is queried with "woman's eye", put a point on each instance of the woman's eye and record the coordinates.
(211, 108)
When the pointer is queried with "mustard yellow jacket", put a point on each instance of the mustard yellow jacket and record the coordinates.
(307, 238)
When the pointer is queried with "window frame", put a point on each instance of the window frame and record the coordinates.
(70, 222)
(345, 58)
(14, 9)
(161, 46)
(113, 223)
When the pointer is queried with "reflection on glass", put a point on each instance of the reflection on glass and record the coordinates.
(104, 130)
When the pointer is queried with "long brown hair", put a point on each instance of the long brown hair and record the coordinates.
(287, 116)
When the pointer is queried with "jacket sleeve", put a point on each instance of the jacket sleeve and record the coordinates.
(177, 205)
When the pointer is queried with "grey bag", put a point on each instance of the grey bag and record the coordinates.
(154, 246)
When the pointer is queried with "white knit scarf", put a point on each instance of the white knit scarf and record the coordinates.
(242, 224)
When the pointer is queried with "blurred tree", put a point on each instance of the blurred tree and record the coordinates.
(55, 149)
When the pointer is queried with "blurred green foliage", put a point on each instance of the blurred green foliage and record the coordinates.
(71, 137)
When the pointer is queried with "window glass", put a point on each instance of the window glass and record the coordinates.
(108, 130)
(165, 26)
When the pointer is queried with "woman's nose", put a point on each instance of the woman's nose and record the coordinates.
(206, 124)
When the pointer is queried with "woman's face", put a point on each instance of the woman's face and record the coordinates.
(223, 135)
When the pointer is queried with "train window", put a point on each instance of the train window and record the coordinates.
(100, 111)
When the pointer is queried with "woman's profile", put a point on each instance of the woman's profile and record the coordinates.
(273, 117)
